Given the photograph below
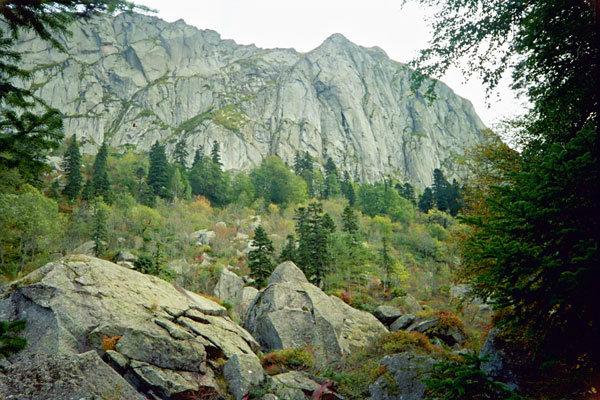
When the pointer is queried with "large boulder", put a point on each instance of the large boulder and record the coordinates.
(498, 362)
(292, 313)
(162, 339)
(387, 314)
(242, 371)
(403, 377)
(229, 286)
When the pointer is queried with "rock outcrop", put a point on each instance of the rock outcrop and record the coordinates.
(404, 381)
(291, 313)
(163, 341)
(134, 79)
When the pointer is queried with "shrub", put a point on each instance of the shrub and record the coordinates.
(10, 341)
(464, 380)
(110, 342)
(287, 359)
(401, 341)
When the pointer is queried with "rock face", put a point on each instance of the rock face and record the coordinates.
(161, 340)
(292, 313)
(135, 79)
(407, 371)
(243, 371)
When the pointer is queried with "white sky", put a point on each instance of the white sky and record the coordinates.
(303, 24)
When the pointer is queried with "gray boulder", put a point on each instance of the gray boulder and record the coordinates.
(402, 322)
(64, 377)
(498, 364)
(292, 313)
(125, 256)
(246, 299)
(408, 304)
(387, 314)
(229, 286)
(407, 371)
(432, 327)
(161, 339)
(204, 237)
(242, 371)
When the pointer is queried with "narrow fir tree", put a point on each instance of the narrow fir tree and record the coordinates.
(386, 262)
(440, 190)
(72, 168)
(260, 260)
(10, 337)
(288, 253)
(180, 154)
(100, 233)
(158, 174)
(215, 154)
(332, 180)
(100, 184)
(198, 156)
(426, 201)
(349, 221)
(314, 229)
(348, 189)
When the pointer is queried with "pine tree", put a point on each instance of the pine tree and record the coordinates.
(314, 228)
(180, 154)
(100, 184)
(386, 262)
(88, 191)
(426, 201)
(215, 154)
(455, 199)
(350, 221)
(72, 168)
(332, 180)
(348, 189)
(260, 260)
(440, 189)
(407, 191)
(100, 233)
(288, 252)
(198, 156)
(158, 174)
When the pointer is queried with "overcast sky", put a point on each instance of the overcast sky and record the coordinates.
(303, 24)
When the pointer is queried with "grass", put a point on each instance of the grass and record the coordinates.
(230, 117)
(284, 360)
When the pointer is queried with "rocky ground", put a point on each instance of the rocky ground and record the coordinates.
(98, 330)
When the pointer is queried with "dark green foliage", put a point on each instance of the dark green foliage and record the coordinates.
(100, 183)
(72, 168)
(386, 261)
(407, 191)
(332, 180)
(349, 221)
(535, 244)
(158, 171)
(198, 156)
(289, 251)
(455, 198)
(100, 228)
(215, 154)
(10, 341)
(180, 154)
(207, 179)
(260, 260)
(304, 168)
(146, 265)
(464, 380)
(54, 191)
(441, 195)
(314, 228)
(426, 201)
(347, 189)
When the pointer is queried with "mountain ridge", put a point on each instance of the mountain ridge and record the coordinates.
(134, 79)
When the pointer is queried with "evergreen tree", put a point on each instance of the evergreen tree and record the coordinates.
(198, 156)
(304, 167)
(260, 260)
(54, 192)
(100, 228)
(72, 168)
(88, 191)
(386, 262)
(407, 191)
(348, 189)
(215, 154)
(208, 180)
(455, 200)
(426, 201)
(332, 180)
(350, 221)
(314, 228)
(180, 154)
(440, 190)
(100, 184)
(10, 337)
(288, 252)
(158, 171)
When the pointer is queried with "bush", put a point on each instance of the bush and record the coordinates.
(464, 380)
(401, 341)
(10, 341)
(287, 359)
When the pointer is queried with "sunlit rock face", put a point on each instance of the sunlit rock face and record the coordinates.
(134, 79)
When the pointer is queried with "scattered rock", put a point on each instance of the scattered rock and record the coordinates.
(387, 314)
(242, 371)
(403, 377)
(292, 313)
(125, 256)
(402, 322)
(204, 237)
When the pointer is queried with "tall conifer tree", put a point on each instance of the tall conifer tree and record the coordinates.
(72, 168)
